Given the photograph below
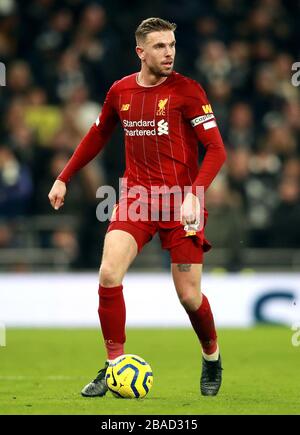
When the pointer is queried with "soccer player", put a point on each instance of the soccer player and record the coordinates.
(164, 116)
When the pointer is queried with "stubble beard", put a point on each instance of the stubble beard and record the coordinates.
(157, 72)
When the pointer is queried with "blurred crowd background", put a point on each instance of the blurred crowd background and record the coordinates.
(61, 56)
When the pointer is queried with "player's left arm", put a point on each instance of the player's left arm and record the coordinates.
(198, 111)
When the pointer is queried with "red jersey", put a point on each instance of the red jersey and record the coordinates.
(163, 126)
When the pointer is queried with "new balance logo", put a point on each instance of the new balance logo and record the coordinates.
(163, 127)
(125, 107)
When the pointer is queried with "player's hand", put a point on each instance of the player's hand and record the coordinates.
(190, 210)
(57, 194)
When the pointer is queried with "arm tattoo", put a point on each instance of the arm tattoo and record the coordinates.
(184, 267)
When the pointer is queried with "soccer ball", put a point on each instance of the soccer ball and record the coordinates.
(129, 377)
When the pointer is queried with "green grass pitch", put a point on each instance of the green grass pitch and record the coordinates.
(43, 370)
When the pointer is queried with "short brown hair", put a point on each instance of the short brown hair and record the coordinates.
(152, 25)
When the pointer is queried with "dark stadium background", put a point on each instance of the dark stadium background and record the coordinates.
(61, 56)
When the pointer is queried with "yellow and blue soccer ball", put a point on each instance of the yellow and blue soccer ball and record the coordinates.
(129, 377)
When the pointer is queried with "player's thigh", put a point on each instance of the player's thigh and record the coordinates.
(187, 282)
(120, 249)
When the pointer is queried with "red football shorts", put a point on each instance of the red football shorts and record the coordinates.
(183, 249)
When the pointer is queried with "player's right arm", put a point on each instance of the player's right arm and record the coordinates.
(57, 194)
(88, 148)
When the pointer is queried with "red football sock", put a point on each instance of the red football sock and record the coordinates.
(204, 326)
(112, 315)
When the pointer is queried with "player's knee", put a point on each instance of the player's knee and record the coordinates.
(190, 299)
(109, 276)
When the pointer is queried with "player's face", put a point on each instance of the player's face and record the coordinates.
(158, 53)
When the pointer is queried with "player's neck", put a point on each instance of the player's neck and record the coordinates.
(145, 79)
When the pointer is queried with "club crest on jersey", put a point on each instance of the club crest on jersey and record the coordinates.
(125, 107)
(161, 107)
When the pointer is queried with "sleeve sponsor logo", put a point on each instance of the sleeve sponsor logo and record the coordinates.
(207, 109)
(201, 119)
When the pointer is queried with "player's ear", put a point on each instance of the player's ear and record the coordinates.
(140, 52)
